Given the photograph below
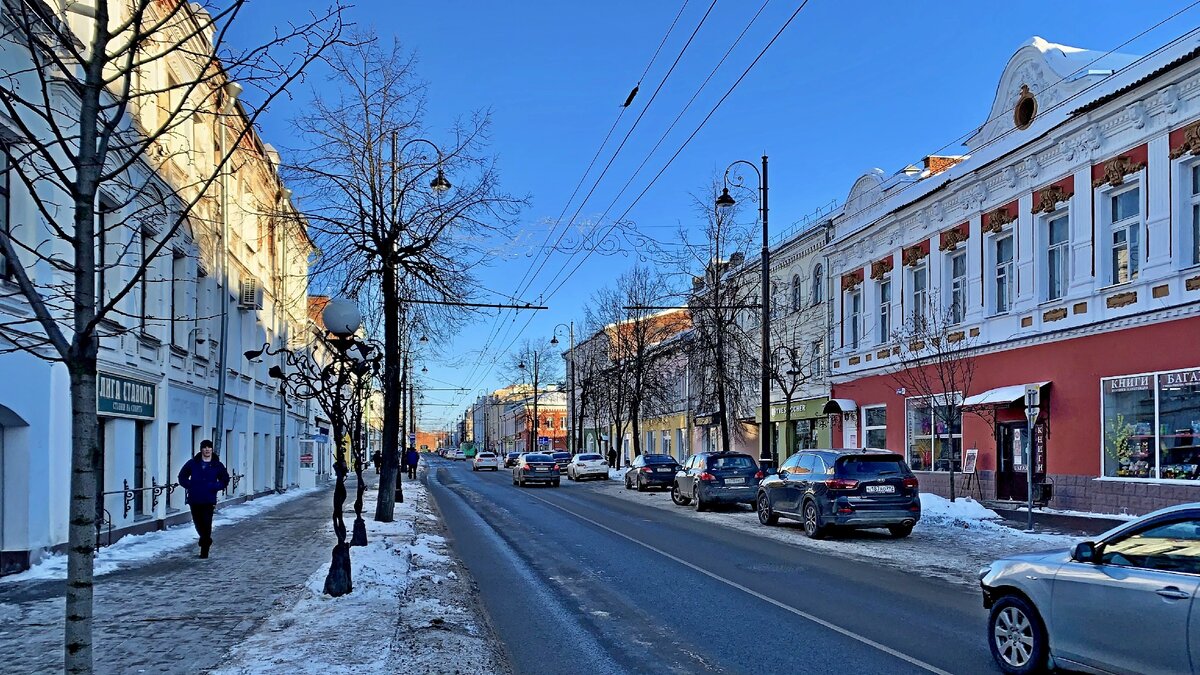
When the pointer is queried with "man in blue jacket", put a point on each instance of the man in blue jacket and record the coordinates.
(203, 477)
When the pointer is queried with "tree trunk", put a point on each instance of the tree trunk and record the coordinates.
(634, 414)
(389, 485)
(81, 533)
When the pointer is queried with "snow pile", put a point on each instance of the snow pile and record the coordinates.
(135, 549)
(405, 614)
(963, 512)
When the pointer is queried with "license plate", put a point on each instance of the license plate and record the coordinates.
(735, 481)
(541, 469)
(664, 470)
(881, 489)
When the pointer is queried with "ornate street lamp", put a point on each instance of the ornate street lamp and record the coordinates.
(336, 386)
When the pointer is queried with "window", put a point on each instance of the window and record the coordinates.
(140, 294)
(1057, 256)
(1003, 273)
(817, 285)
(854, 318)
(1152, 425)
(105, 215)
(775, 309)
(885, 310)
(1193, 202)
(179, 317)
(875, 426)
(924, 417)
(1125, 224)
(805, 434)
(797, 297)
(1167, 547)
(6, 271)
(958, 287)
(920, 291)
(816, 358)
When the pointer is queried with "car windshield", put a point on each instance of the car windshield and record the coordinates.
(538, 458)
(731, 462)
(660, 459)
(486, 455)
(588, 458)
(871, 467)
(561, 455)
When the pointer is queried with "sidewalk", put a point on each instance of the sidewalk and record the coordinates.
(159, 608)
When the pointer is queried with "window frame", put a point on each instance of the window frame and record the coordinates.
(1133, 225)
(957, 298)
(1046, 227)
(817, 370)
(797, 294)
(1191, 209)
(818, 294)
(931, 402)
(918, 298)
(1156, 441)
(868, 429)
(884, 293)
(854, 300)
(1003, 273)
(6, 272)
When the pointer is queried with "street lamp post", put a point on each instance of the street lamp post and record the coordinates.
(726, 201)
(533, 428)
(335, 386)
(571, 376)
(231, 91)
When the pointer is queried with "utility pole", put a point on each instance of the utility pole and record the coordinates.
(231, 91)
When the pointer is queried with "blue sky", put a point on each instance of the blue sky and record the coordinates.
(847, 87)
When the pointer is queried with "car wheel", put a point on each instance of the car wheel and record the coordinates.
(900, 531)
(812, 521)
(766, 514)
(698, 503)
(641, 487)
(555, 483)
(627, 485)
(474, 468)
(521, 482)
(677, 496)
(1017, 636)
(514, 480)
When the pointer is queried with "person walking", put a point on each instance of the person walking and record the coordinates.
(377, 460)
(411, 458)
(203, 476)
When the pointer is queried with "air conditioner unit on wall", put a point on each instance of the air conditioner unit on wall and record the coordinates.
(251, 295)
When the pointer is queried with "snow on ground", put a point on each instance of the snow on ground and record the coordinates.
(952, 541)
(409, 612)
(139, 548)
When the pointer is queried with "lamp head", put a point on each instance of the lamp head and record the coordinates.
(726, 200)
(521, 365)
(252, 354)
(276, 372)
(439, 182)
(341, 317)
(554, 340)
(423, 339)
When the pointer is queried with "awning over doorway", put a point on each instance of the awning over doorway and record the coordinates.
(1000, 396)
(839, 405)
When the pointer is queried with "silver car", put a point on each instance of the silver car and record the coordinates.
(1122, 604)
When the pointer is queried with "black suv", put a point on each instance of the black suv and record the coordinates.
(649, 471)
(510, 460)
(716, 478)
(846, 488)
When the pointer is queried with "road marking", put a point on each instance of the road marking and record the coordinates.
(749, 591)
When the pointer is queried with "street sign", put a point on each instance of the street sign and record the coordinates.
(412, 438)
(543, 440)
(1033, 396)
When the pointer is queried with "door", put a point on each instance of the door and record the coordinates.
(1143, 587)
(687, 478)
(782, 494)
(795, 483)
(1012, 480)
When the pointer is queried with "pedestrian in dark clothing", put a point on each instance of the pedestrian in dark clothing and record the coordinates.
(203, 476)
(377, 460)
(411, 458)
(612, 458)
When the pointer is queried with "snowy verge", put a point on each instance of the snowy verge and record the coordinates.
(952, 541)
(135, 549)
(407, 586)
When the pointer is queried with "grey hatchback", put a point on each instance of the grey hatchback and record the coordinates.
(845, 488)
(716, 478)
(535, 467)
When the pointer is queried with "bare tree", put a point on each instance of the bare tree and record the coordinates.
(644, 327)
(533, 362)
(936, 364)
(590, 358)
(91, 120)
(607, 310)
(724, 308)
(383, 210)
(793, 365)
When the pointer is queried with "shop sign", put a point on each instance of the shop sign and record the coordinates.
(118, 396)
(1116, 385)
(705, 420)
(1180, 378)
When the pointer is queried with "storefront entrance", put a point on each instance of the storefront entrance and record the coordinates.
(1012, 481)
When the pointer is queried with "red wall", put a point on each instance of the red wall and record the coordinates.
(1073, 367)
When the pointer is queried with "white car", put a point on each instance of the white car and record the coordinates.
(585, 465)
(486, 460)
(456, 453)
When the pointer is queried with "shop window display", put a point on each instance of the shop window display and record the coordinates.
(925, 453)
(1152, 425)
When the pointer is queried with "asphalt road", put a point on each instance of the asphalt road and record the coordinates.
(576, 580)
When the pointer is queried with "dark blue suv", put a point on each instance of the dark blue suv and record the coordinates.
(843, 488)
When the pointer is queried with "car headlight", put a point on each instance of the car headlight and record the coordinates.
(984, 572)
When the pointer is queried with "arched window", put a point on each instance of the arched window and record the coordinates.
(818, 285)
(796, 297)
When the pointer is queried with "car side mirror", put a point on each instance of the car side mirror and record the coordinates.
(770, 471)
(1084, 551)
(782, 473)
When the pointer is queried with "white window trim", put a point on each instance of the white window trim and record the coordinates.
(992, 296)
(908, 436)
(866, 429)
(885, 309)
(918, 308)
(854, 321)
(1043, 253)
(1104, 196)
(1189, 241)
(953, 253)
(1153, 375)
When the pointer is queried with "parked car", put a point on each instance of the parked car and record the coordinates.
(842, 488)
(562, 459)
(535, 467)
(456, 453)
(649, 471)
(485, 460)
(1140, 579)
(510, 460)
(587, 465)
(725, 477)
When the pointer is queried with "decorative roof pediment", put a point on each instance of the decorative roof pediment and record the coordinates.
(1049, 73)
(867, 190)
